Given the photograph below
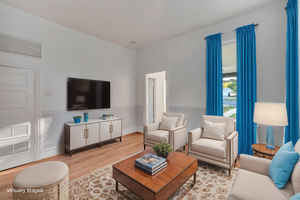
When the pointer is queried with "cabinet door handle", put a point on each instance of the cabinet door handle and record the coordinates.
(111, 128)
(86, 133)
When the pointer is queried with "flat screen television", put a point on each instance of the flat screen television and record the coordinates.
(86, 94)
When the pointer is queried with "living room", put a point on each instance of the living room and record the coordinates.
(123, 42)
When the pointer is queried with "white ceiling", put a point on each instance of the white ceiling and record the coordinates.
(145, 21)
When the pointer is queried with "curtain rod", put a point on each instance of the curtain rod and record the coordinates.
(256, 25)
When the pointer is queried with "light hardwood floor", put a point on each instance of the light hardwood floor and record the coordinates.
(85, 161)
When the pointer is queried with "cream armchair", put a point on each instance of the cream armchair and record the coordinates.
(176, 137)
(220, 153)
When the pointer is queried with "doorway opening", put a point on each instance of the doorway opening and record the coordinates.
(155, 96)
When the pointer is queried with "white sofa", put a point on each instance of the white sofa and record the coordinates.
(254, 183)
(176, 137)
(220, 153)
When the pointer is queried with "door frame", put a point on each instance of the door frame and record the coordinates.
(154, 99)
(27, 62)
(145, 73)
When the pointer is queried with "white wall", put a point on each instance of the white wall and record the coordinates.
(69, 53)
(184, 59)
(159, 94)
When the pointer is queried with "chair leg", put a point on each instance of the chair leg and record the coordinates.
(229, 172)
(144, 147)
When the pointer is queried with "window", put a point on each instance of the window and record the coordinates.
(229, 79)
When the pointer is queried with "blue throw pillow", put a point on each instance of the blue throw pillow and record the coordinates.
(296, 197)
(283, 164)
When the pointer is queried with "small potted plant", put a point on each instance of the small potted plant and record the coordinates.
(77, 119)
(163, 149)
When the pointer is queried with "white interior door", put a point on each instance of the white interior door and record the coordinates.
(17, 118)
(150, 100)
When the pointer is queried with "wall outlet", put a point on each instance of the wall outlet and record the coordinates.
(47, 93)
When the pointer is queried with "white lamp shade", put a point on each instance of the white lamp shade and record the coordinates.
(271, 114)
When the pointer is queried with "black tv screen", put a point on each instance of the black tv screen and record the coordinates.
(88, 94)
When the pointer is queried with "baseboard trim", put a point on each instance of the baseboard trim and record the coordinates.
(140, 129)
(134, 133)
(53, 151)
(129, 131)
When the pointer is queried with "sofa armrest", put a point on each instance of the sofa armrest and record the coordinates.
(195, 135)
(177, 137)
(232, 147)
(185, 122)
(232, 135)
(151, 127)
(255, 164)
(177, 128)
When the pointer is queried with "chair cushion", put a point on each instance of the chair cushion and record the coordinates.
(253, 186)
(158, 136)
(168, 123)
(282, 164)
(214, 130)
(230, 127)
(41, 174)
(179, 115)
(210, 147)
(295, 177)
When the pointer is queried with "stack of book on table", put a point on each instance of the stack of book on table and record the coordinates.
(150, 163)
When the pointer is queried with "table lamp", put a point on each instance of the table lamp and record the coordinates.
(270, 114)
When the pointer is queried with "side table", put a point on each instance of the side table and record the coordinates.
(259, 150)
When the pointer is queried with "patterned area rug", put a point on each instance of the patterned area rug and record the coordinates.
(213, 183)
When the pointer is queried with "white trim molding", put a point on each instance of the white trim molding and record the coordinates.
(140, 129)
(47, 112)
(127, 131)
(187, 107)
(53, 151)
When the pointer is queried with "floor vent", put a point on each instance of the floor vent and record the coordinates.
(20, 46)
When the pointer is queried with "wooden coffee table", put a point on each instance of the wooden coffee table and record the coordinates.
(162, 184)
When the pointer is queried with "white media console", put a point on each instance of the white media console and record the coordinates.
(93, 132)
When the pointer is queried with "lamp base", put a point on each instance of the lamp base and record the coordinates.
(270, 147)
(270, 139)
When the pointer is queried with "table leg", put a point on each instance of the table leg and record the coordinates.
(117, 186)
(195, 178)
